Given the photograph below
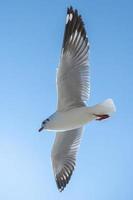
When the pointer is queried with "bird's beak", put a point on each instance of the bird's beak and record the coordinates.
(40, 129)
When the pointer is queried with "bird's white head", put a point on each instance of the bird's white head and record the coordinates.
(44, 124)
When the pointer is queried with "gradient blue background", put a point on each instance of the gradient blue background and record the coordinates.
(31, 33)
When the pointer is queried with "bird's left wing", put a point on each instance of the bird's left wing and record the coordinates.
(64, 155)
(73, 72)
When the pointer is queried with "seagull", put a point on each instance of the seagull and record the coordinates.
(73, 89)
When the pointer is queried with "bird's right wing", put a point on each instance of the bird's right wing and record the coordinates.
(64, 155)
(73, 72)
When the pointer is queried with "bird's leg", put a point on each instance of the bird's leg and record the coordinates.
(101, 117)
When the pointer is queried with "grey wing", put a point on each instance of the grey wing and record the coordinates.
(64, 155)
(73, 71)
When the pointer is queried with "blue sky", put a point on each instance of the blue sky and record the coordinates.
(31, 35)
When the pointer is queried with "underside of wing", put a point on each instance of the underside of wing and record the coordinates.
(73, 72)
(64, 155)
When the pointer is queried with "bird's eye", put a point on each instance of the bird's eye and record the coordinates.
(47, 119)
(44, 122)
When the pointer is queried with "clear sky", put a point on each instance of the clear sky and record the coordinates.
(31, 33)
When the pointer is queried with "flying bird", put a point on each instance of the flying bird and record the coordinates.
(73, 89)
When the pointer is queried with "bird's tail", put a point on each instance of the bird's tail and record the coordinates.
(105, 108)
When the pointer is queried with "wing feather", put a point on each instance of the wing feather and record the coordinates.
(73, 72)
(63, 155)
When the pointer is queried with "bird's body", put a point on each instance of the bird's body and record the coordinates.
(73, 89)
(68, 120)
(78, 117)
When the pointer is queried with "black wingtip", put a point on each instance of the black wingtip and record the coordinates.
(63, 177)
(74, 22)
(67, 10)
(70, 9)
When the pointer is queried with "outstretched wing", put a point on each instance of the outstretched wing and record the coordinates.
(64, 155)
(73, 71)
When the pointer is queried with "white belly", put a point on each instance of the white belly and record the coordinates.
(72, 119)
(75, 118)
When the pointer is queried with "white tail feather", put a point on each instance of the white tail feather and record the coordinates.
(106, 107)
